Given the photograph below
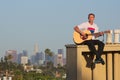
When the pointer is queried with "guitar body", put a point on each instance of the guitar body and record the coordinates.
(78, 39)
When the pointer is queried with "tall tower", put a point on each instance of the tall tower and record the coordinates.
(60, 57)
(36, 48)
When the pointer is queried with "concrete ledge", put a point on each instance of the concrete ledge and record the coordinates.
(108, 47)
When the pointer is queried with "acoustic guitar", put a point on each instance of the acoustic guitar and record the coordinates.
(78, 39)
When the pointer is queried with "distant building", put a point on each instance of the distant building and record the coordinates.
(25, 53)
(59, 58)
(32, 59)
(36, 48)
(24, 60)
(64, 61)
(41, 58)
(38, 58)
(19, 58)
(55, 61)
(13, 54)
(60, 51)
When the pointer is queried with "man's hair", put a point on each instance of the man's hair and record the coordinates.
(91, 14)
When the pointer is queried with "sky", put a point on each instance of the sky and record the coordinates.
(50, 23)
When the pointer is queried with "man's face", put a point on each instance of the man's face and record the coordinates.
(91, 18)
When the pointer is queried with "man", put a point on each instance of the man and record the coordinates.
(93, 28)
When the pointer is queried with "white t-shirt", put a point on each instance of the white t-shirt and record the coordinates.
(87, 26)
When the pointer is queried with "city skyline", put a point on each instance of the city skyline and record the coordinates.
(49, 23)
(34, 51)
(38, 58)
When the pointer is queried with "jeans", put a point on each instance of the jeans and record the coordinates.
(91, 44)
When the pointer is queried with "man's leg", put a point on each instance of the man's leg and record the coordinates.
(99, 52)
(91, 44)
(100, 47)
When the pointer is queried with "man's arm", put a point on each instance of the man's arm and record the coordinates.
(77, 29)
(99, 34)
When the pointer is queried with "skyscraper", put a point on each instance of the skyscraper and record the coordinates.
(25, 53)
(12, 54)
(19, 58)
(36, 48)
(59, 58)
(60, 51)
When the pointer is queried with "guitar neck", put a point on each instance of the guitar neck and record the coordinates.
(99, 33)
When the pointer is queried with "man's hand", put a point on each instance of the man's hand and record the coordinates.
(101, 33)
(84, 36)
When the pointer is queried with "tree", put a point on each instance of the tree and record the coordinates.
(6, 63)
(47, 51)
(18, 75)
(1, 64)
(9, 57)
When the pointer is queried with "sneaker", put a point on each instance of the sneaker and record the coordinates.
(97, 61)
(102, 61)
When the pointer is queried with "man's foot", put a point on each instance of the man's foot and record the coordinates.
(100, 60)
(97, 61)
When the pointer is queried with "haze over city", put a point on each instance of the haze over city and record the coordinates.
(49, 23)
